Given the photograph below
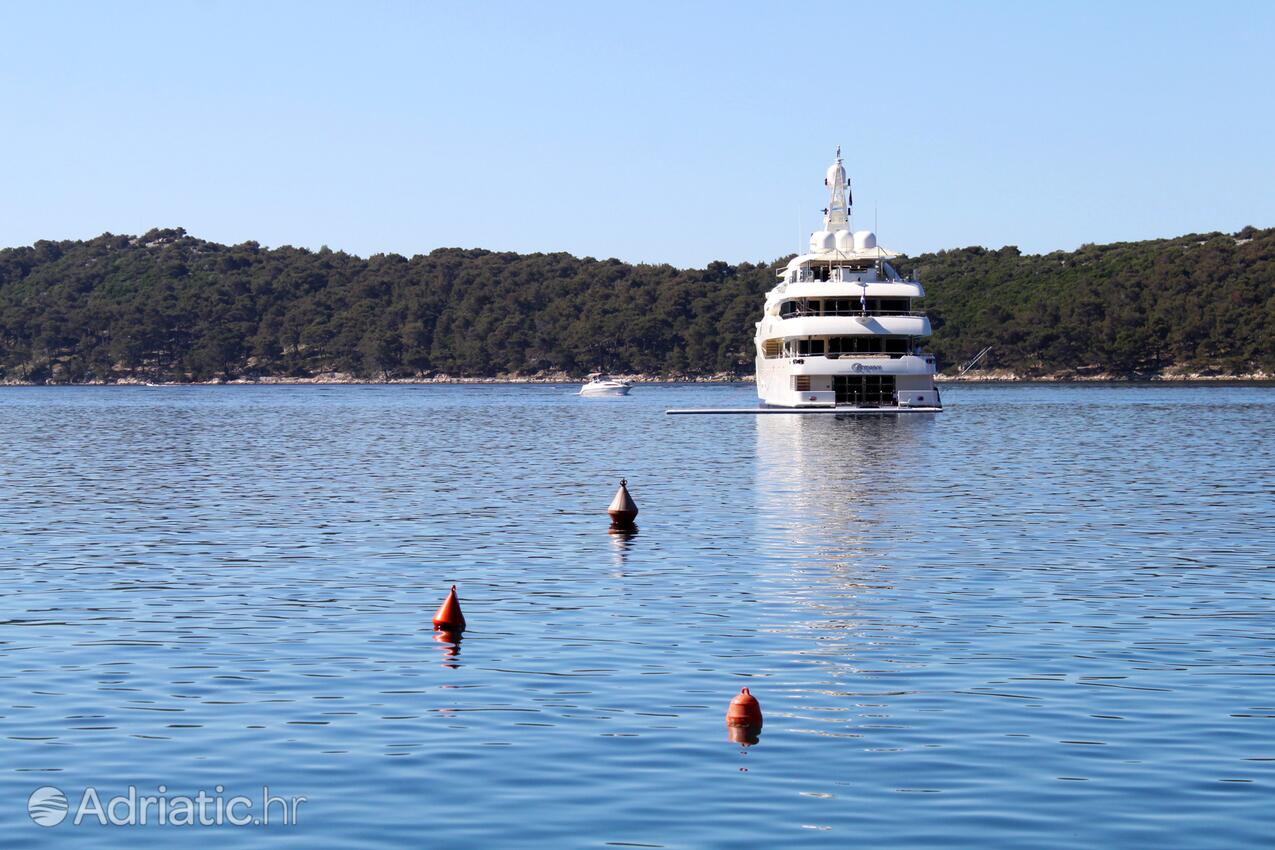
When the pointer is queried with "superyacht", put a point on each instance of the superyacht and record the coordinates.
(841, 331)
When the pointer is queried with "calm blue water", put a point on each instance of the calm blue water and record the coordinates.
(1041, 619)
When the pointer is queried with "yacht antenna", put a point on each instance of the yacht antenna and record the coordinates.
(878, 233)
(849, 199)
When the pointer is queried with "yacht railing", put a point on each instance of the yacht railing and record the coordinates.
(837, 355)
(798, 314)
(842, 274)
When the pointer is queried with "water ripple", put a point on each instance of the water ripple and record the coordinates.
(1042, 618)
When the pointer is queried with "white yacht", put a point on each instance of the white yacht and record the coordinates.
(600, 384)
(840, 331)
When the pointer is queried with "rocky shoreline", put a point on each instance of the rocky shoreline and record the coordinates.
(974, 377)
(1169, 376)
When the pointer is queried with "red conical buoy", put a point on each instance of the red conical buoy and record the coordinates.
(744, 711)
(448, 617)
(623, 509)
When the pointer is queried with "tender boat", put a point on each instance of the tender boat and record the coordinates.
(841, 333)
(605, 385)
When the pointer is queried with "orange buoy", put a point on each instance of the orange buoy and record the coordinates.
(448, 617)
(623, 509)
(744, 711)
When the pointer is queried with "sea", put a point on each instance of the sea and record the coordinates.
(1043, 618)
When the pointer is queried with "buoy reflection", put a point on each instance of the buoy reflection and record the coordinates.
(451, 644)
(622, 544)
(623, 537)
(745, 736)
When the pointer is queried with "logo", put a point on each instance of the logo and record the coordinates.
(47, 806)
(863, 367)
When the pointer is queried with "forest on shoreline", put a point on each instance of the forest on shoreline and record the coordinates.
(166, 306)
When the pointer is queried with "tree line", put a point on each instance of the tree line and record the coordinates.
(168, 306)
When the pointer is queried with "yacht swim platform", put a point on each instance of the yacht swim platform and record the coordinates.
(808, 411)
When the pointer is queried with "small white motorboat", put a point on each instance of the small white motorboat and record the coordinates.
(600, 384)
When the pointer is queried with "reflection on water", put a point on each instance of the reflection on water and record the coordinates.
(827, 479)
(450, 641)
(745, 736)
(834, 496)
(622, 540)
(1042, 618)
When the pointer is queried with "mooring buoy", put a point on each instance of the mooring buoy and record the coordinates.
(448, 617)
(744, 710)
(623, 509)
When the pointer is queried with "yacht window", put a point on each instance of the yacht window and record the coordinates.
(864, 344)
(867, 390)
(860, 344)
(810, 346)
(884, 305)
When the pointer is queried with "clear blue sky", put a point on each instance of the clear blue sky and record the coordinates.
(660, 132)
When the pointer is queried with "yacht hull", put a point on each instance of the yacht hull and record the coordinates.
(588, 392)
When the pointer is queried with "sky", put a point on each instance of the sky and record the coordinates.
(680, 132)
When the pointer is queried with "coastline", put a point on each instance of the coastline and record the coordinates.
(994, 376)
(1167, 376)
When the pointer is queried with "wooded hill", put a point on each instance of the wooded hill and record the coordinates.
(167, 306)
